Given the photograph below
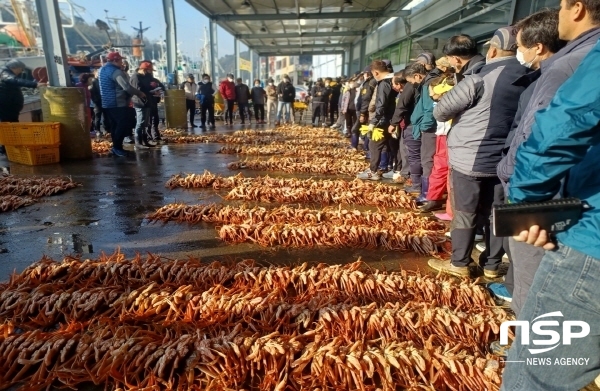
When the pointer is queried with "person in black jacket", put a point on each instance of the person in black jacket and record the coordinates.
(400, 121)
(334, 99)
(154, 118)
(318, 110)
(366, 93)
(142, 80)
(242, 94)
(11, 96)
(461, 51)
(206, 96)
(384, 111)
(287, 95)
(99, 113)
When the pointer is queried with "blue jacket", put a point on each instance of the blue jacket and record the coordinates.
(554, 72)
(565, 145)
(422, 116)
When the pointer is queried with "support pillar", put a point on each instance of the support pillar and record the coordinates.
(213, 50)
(363, 54)
(236, 62)
(169, 11)
(53, 43)
(350, 60)
(520, 9)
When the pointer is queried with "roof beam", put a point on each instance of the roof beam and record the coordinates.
(305, 15)
(297, 53)
(303, 35)
(298, 47)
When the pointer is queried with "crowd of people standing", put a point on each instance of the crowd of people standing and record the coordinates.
(519, 124)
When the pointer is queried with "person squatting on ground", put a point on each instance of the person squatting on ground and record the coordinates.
(271, 101)
(142, 81)
(206, 97)
(258, 95)
(378, 125)
(242, 94)
(482, 108)
(227, 90)
(116, 92)
(191, 89)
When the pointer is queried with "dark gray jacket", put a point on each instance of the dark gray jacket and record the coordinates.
(555, 71)
(482, 108)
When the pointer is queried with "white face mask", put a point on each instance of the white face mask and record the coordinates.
(230, 79)
(521, 58)
(270, 84)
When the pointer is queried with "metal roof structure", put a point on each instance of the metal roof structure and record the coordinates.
(293, 27)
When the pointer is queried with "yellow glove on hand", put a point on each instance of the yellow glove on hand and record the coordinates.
(377, 134)
(364, 129)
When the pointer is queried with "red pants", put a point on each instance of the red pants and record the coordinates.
(439, 175)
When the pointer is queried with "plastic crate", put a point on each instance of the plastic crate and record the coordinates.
(33, 155)
(29, 133)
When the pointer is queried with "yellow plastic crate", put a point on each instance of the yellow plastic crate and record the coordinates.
(29, 133)
(33, 155)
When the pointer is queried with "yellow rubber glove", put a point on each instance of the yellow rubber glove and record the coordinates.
(377, 134)
(364, 129)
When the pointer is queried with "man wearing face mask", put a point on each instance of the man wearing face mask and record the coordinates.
(539, 36)
(271, 100)
(481, 108)
(461, 51)
(227, 90)
(385, 107)
(206, 96)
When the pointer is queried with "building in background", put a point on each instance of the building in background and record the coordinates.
(298, 68)
(327, 66)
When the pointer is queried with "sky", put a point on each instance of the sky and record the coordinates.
(189, 22)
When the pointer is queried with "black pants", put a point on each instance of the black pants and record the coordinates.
(404, 168)
(472, 199)
(120, 119)
(259, 109)
(244, 110)
(376, 148)
(154, 122)
(393, 153)
(413, 149)
(333, 111)
(495, 247)
(190, 106)
(318, 111)
(229, 105)
(351, 118)
(207, 106)
(132, 121)
(427, 152)
(99, 117)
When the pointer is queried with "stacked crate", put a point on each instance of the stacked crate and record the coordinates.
(31, 143)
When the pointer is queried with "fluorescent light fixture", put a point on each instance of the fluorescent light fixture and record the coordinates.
(412, 5)
(302, 22)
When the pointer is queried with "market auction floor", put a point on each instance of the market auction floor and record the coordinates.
(108, 213)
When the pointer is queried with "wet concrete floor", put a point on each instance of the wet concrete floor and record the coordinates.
(108, 213)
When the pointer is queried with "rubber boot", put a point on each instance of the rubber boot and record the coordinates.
(383, 164)
(416, 186)
(422, 198)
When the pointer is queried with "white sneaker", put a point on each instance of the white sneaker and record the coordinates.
(152, 143)
(480, 247)
(141, 146)
(390, 175)
(127, 140)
